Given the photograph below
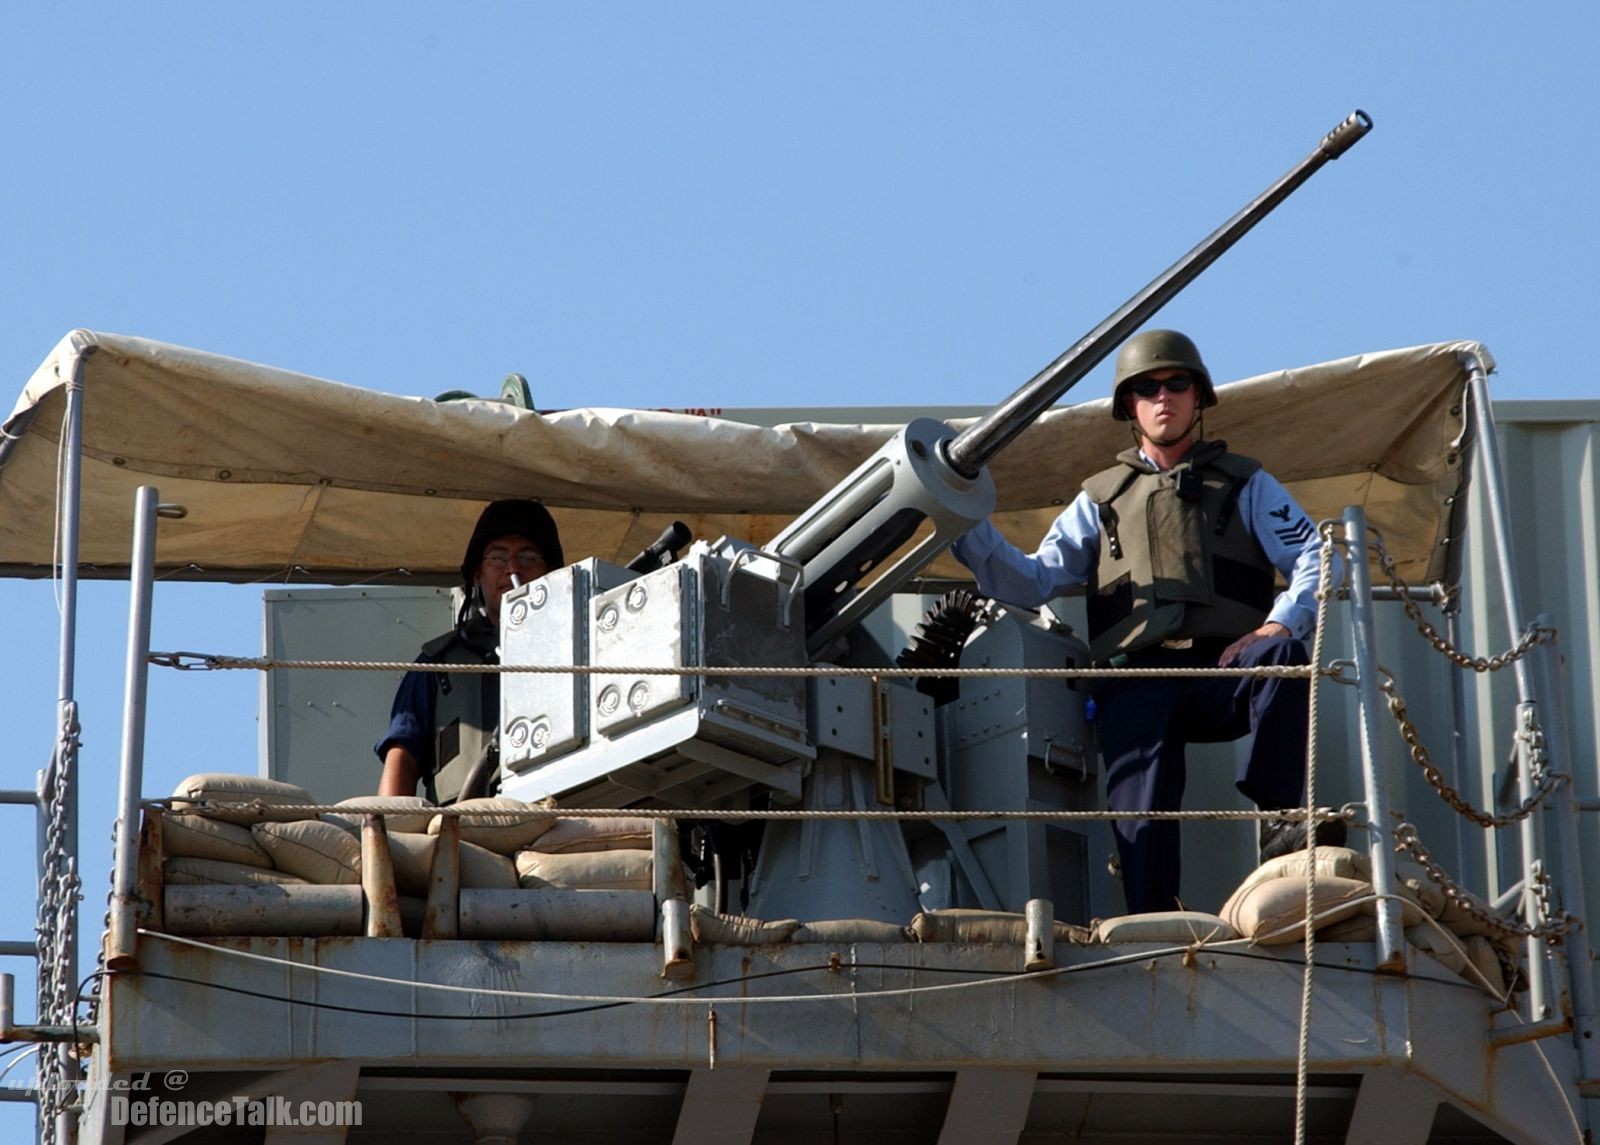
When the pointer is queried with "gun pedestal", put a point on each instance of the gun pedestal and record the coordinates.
(835, 868)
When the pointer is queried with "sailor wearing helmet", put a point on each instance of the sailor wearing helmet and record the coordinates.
(1178, 544)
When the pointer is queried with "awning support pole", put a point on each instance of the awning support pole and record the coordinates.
(121, 952)
(1494, 489)
(56, 981)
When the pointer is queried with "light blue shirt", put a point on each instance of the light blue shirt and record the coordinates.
(1069, 552)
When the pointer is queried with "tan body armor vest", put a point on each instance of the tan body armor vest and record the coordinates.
(466, 709)
(1176, 561)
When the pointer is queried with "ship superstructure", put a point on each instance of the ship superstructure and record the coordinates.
(793, 843)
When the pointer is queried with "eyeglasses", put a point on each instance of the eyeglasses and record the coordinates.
(522, 558)
(1150, 387)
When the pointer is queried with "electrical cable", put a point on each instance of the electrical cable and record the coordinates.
(676, 995)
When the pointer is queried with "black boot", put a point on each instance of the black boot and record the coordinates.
(1285, 836)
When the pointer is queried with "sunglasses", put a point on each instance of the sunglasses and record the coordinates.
(1150, 387)
(523, 558)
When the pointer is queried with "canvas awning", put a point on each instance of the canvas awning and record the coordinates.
(290, 477)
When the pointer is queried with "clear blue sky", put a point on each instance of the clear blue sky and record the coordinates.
(732, 205)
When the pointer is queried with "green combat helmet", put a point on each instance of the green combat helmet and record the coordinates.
(1159, 350)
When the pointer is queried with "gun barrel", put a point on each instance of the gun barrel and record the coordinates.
(969, 451)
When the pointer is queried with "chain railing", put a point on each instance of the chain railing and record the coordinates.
(1557, 922)
(1545, 780)
(1535, 635)
(58, 899)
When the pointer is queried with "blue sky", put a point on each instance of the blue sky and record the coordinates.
(732, 205)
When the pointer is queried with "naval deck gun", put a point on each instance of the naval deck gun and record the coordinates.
(670, 707)
(319, 987)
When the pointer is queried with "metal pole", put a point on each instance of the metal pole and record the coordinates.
(1563, 817)
(123, 938)
(1532, 884)
(62, 776)
(66, 694)
(1469, 862)
(71, 486)
(1494, 489)
(1391, 940)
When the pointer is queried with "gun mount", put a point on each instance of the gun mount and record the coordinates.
(639, 726)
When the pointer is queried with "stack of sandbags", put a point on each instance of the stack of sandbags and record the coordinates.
(216, 846)
(711, 928)
(612, 853)
(270, 842)
(1269, 907)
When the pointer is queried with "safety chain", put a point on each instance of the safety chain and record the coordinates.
(1556, 924)
(1538, 765)
(58, 898)
(1536, 634)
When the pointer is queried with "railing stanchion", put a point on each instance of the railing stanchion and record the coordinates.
(1391, 940)
(121, 947)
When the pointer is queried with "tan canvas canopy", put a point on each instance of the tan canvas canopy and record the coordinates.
(289, 477)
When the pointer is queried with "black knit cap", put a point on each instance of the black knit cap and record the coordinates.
(513, 517)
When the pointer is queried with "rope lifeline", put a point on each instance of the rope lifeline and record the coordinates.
(676, 813)
(1302, 1065)
(207, 662)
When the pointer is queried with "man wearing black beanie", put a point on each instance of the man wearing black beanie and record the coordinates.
(441, 727)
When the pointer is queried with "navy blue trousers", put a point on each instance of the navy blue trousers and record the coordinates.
(1145, 725)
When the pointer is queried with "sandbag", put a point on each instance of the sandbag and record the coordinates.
(712, 929)
(992, 926)
(199, 837)
(1487, 959)
(1463, 923)
(1356, 928)
(612, 833)
(592, 870)
(316, 851)
(847, 931)
(192, 872)
(401, 813)
(225, 787)
(1414, 881)
(1332, 863)
(505, 833)
(1443, 948)
(1169, 926)
(1274, 911)
(481, 868)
